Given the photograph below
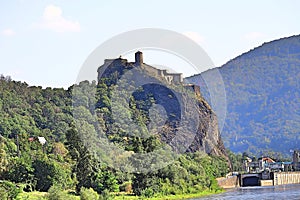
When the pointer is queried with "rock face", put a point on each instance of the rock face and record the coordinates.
(183, 110)
(208, 138)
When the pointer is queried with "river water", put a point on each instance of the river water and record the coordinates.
(289, 192)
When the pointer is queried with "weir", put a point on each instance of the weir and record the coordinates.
(283, 178)
(260, 179)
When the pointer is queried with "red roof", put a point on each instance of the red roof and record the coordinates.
(268, 160)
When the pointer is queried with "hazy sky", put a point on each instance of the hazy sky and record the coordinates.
(45, 42)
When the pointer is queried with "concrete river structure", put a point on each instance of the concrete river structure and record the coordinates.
(260, 179)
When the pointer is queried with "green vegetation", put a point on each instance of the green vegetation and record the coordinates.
(8, 190)
(42, 195)
(56, 193)
(170, 197)
(64, 168)
(88, 194)
(262, 97)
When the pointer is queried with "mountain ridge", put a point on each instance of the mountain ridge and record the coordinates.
(261, 88)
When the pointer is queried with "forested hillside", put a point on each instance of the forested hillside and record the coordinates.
(262, 95)
(65, 163)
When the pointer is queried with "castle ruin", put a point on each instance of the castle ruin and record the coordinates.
(171, 78)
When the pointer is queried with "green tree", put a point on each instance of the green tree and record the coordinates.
(49, 172)
(87, 169)
(20, 170)
(3, 157)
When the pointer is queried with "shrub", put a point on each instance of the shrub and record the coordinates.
(88, 194)
(20, 171)
(56, 193)
(8, 190)
(126, 187)
(148, 192)
(105, 195)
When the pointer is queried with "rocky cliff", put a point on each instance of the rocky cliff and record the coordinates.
(174, 113)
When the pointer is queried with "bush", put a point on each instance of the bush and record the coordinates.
(126, 187)
(88, 194)
(148, 192)
(56, 193)
(20, 171)
(8, 190)
(106, 195)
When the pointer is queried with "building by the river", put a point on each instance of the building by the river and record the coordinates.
(296, 160)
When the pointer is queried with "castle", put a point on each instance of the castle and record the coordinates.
(171, 78)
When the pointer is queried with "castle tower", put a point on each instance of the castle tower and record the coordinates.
(138, 58)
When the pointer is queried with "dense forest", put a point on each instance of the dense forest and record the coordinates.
(64, 163)
(262, 96)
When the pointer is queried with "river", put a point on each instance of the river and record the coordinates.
(289, 192)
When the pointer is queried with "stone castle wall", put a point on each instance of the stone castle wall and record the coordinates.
(171, 78)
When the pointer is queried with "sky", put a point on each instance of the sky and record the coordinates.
(46, 42)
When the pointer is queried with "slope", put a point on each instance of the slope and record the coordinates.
(262, 96)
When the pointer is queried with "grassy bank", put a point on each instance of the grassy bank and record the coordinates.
(170, 197)
(41, 195)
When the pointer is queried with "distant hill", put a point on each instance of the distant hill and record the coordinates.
(263, 98)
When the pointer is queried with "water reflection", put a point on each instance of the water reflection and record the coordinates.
(290, 192)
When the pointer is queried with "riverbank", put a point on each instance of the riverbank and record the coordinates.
(171, 197)
(41, 195)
